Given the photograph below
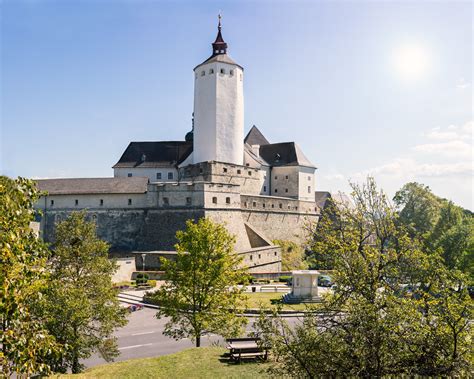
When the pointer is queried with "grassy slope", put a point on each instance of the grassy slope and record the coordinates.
(264, 299)
(203, 362)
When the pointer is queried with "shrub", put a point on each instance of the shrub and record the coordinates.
(285, 278)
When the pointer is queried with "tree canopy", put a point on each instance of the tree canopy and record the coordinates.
(440, 224)
(292, 255)
(25, 342)
(396, 308)
(81, 307)
(201, 293)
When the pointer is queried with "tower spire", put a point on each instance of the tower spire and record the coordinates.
(219, 46)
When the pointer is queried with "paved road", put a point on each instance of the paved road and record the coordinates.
(142, 337)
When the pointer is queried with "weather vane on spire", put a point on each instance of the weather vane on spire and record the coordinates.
(219, 46)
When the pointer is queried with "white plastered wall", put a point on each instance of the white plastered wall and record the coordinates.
(218, 114)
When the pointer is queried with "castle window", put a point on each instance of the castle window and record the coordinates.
(280, 205)
(309, 189)
(166, 201)
(52, 203)
(276, 190)
(170, 175)
(286, 177)
(227, 200)
(264, 188)
(239, 172)
(231, 72)
(101, 202)
(276, 177)
(129, 174)
(214, 200)
(263, 205)
(129, 201)
(188, 201)
(251, 257)
(203, 73)
(296, 208)
(225, 169)
(211, 71)
(273, 205)
(289, 206)
(76, 202)
(158, 175)
(245, 205)
(259, 256)
(250, 173)
(276, 253)
(254, 204)
(286, 190)
(200, 170)
(247, 164)
(222, 71)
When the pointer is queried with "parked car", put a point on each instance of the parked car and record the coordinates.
(134, 307)
(325, 281)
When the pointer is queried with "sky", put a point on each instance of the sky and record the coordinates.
(364, 88)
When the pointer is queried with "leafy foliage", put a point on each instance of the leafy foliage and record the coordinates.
(24, 341)
(201, 293)
(441, 225)
(292, 256)
(395, 309)
(81, 306)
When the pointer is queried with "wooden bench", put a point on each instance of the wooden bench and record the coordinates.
(246, 348)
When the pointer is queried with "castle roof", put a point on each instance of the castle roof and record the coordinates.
(83, 186)
(219, 50)
(222, 58)
(284, 154)
(154, 154)
(255, 137)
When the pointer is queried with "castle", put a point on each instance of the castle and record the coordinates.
(262, 191)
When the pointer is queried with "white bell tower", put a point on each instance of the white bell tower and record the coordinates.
(218, 107)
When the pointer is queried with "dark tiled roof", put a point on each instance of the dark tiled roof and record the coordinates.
(255, 137)
(155, 154)
(284, 154)
(93, 185)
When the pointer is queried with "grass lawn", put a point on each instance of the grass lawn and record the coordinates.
(202, 362)
(269, 300)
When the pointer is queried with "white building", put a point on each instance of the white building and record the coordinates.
(261, 190)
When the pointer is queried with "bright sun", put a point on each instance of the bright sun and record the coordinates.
(411, 61)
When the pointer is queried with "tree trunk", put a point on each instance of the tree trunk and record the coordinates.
(198, 341)
(75, 368)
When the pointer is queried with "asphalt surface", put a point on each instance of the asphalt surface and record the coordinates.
(143, 337)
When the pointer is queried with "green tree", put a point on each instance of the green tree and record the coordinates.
(441, 225)
(24, 340)
(419, 208)
(81, 305)
(395, 309)
(292, 256)
(201, 294)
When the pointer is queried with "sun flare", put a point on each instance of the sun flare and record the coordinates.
(411, 61)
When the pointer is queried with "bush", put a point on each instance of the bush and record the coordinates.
(285, 279)
(152, 283)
